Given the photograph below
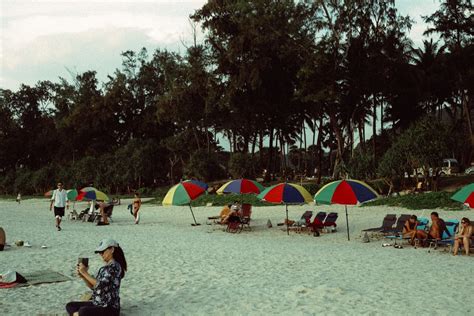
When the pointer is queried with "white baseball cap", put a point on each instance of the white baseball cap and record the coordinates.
(106, 243)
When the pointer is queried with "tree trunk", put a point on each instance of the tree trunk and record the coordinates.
(305, 160)
(374, 127)
(467, 116)
(361, 136)
(340, 143)
(270, 157)
(320, 150)
(381, 117)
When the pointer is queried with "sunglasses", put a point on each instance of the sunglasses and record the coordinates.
(463, 222)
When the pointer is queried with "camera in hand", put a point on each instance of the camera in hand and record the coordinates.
(84, 261)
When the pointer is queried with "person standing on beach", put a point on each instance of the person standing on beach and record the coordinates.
(137, 203)
(18, 198)
(60, 201)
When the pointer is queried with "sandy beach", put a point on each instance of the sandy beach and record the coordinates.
(177, 269)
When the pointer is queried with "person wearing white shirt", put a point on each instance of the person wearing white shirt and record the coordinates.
(59, 200)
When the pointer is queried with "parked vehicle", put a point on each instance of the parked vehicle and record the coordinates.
(469, 171)
(449, 167)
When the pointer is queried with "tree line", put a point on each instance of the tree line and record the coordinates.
(312, 88)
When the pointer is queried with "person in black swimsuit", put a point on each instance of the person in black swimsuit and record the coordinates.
(409, 229)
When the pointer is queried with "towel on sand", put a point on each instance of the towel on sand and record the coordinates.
(39, 277)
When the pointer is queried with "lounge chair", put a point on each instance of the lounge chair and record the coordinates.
(387, 224)
(234, 224)
(246, 212)
(108, 212)
(330, 220)
(305, 219)
(448, 235)
(399, 225)
(321, 216)
(422, 225)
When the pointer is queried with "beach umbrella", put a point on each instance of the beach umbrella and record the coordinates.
(91, 194)
(285, 193)
(199, 183)
(345, 192)
(183, 193)
(241, 186)
(465, 195)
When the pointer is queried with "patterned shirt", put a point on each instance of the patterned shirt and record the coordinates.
(106, 292)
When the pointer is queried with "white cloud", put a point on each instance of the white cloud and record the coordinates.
(39, 38)
(416, 9)
(51, 35)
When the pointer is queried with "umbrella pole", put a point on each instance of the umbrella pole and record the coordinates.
(347, 223)
(190, 208)
(287, 228)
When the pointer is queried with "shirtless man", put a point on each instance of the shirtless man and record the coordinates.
(436, 230)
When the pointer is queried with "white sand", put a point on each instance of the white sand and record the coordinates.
(176, 269)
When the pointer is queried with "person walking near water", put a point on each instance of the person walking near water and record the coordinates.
(18, 198)
(60, 201)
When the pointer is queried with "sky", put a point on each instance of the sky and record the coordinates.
(48, 39)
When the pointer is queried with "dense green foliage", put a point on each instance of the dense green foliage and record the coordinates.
(268, 74)
(429, 200)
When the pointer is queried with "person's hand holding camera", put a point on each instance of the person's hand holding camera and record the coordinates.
(81, 269)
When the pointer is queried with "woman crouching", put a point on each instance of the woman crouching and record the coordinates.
(105, 286)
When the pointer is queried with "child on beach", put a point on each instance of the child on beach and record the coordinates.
(18, 198)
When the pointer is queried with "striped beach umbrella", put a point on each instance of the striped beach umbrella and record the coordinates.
(199, 183)
(465, 195)
(345, 192)
(183, 193)
(91, 194)
(241, 186)
(286, 193)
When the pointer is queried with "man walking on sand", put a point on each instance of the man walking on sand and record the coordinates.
(60, 201)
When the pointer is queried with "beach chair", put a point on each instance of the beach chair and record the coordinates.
(447, 237)
(422, 225)
(387, 224)
(330, 220)
(246, 214)
(399, 225)
(305, 218)
(234, 225)
(73, 215)
(108, 210)
(318, 221)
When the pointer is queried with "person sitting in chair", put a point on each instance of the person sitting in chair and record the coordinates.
(233, 215)
(409, 229)
(105, 212)
(224, 212)
(464, 236)
(437, 228)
